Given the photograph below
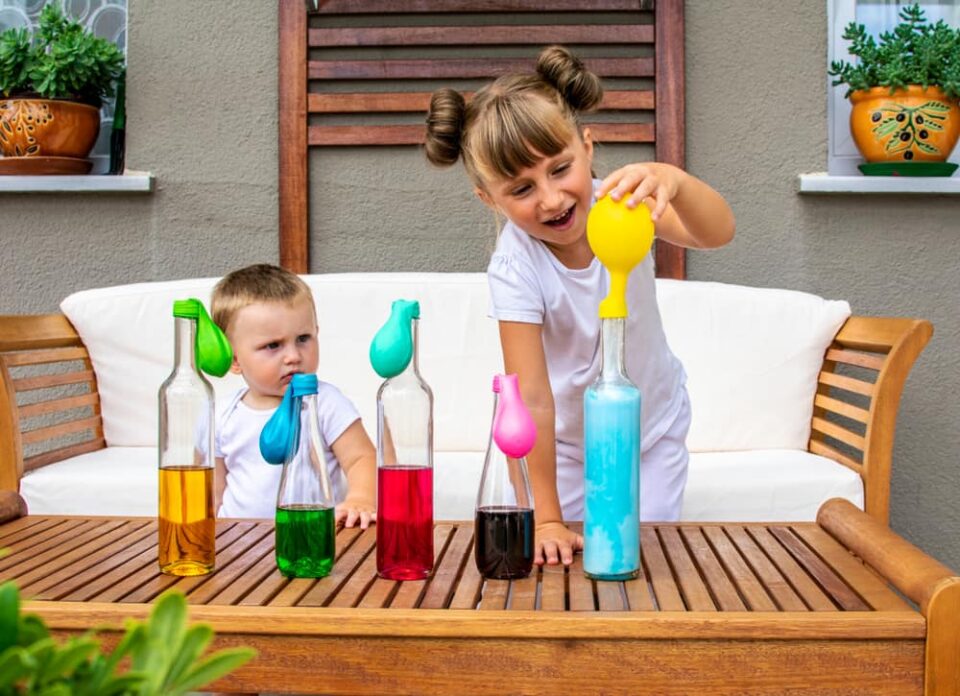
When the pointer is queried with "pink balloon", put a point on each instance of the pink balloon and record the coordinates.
(513, 428)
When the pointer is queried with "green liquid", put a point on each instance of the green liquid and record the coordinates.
(305, 541)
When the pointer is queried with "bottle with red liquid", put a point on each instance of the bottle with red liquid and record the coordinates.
(504, 526)
(404, 450)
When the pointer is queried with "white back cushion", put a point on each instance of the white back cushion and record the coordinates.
(752, 357)
(128, 331)
(752, 354)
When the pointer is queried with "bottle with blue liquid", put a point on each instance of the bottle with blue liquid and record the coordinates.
(611, 526)
(620, 237)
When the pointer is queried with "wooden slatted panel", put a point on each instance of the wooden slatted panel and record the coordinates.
(54, 405)
(494, 595)
(769, 575)
(329, 52)
(857, 386)
(579, 587)
(491, 35)
(468, 590)
(831, 583)
(58, 380)
(825, 450)
(465, 68)
(637, 592)
(360, 582)
(837, 432)
(610, 596)
(61, 453)
(295, 589)
(233, 571)
(399, 102)
(324, 588)
(553, 590)
(842, 408)
(695, 593)
(523, 592)
(26, 549)
(45, 356)
(23, 528)
(336, 7)
(871, 361)
(50, 432)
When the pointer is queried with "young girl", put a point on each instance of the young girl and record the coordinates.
(529, 159)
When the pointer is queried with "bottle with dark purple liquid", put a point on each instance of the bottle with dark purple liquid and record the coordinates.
(504, 523)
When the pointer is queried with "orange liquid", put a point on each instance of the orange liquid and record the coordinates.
(186, 521)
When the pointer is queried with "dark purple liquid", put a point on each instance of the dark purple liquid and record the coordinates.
(504, 542)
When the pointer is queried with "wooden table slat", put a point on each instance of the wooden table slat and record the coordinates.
(82, 561)
(580, 587)
(811, 593)
(22, 527)
(236, 569)
(750, 587)
(444, 582)
(780, 590)
(22, 552)
(824, 575)
(292, 590)
(694, 591)
(408, 595)
(494, 595)
(523, 592)
(720, 585)
(861, 578)
(346, 563)
(661, 578)
(468, 590)
(55, 550)
(150, 571)
(610, 596)
(638, 591)
(553, 588)
(229, 546)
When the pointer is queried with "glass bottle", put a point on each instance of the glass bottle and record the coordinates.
(404, 449)
(186, 516)
(611, 526)
(305, 527)
(504, 523)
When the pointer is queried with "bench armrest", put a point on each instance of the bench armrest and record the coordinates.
(855, 408)
(57, 415)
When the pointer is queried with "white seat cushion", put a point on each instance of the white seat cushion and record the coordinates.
(110, 481)
(764, 486)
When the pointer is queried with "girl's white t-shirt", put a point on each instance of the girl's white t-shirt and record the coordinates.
(252, 483)
(529, 284)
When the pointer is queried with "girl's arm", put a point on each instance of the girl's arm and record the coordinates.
(358, 458)
(688, 212)
(522, 346)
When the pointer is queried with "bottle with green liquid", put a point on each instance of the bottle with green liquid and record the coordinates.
(305, 526)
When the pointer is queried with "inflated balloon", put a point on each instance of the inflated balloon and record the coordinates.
(620, 237)
(212, 349)
(513, 428)
(392, 346)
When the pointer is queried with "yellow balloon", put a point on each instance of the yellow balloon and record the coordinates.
(620, 237)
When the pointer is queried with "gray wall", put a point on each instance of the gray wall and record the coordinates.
(202, 118)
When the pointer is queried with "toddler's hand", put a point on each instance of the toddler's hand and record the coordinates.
(355, 511)
(650, 179)
(556, 543)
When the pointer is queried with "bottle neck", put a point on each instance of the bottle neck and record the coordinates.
(413, 367)
(611, 348)
(185, 340)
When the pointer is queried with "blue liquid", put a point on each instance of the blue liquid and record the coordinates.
(611, 525)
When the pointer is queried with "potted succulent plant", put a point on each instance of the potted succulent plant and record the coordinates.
(52, 82)
(904, 91)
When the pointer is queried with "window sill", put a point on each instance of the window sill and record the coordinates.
(129, 182)
(824, 183)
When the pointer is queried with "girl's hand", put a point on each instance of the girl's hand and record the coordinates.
(355, 511)
(556, 543)
(650, 179)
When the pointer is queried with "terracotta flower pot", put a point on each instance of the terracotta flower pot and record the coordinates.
(47, 128)
(912, 124)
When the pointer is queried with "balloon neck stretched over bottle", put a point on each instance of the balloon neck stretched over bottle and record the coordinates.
(211, 348)
(393, 346)
(280, 437)
(514, 431)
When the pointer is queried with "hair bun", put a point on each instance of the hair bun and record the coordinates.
(445, 127)
(579, 87)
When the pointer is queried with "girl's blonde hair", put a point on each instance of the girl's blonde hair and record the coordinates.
(514, 121)
(260, 282)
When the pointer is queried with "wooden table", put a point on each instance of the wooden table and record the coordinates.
(720, 609)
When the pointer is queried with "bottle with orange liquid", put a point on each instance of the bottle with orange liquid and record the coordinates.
(186, 515)
(404, 450)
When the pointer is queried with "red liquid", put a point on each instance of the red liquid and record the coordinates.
(404, 522)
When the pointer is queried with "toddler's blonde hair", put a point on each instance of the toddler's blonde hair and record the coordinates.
(261, 282)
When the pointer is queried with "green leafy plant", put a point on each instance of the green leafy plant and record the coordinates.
(165, 655)
(914, 53)
(60, 60)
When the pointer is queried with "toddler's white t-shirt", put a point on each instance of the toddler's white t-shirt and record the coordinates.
(252, 483)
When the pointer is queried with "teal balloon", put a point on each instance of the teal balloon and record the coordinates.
(392, 347)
